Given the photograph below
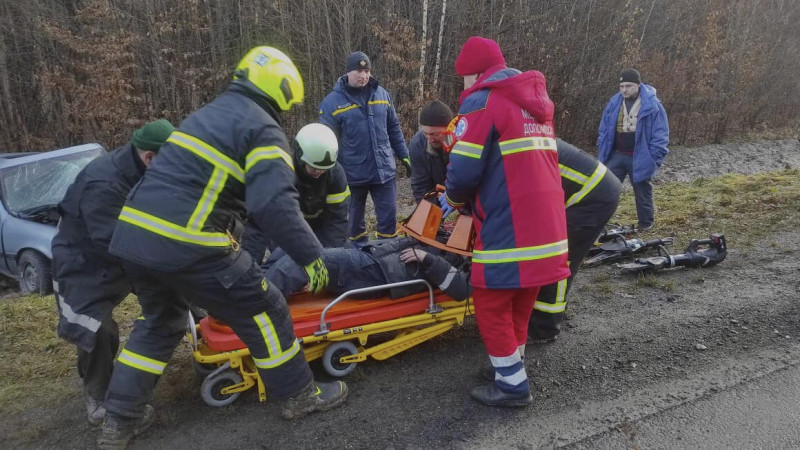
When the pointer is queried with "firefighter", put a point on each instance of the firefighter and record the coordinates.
(505, 166)
(591, 194)
(324, 194)
(180, 228)
(88, 282)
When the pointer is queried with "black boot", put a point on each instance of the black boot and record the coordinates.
(317, 396)
(490, 394)
(118, 430)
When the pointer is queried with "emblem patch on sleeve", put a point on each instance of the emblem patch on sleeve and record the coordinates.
(461, 127)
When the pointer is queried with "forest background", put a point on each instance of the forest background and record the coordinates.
(77, 71)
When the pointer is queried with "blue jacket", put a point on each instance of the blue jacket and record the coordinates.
(369, 134)
(652, 133)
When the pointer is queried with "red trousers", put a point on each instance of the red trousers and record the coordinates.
(503, 316)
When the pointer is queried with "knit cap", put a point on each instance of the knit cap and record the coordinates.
(435, 114)
(477, 55)
(630, 76)
(153, 135)
(357, 60)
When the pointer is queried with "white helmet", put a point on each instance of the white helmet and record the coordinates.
(317, 145)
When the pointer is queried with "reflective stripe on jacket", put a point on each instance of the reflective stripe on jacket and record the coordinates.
(505, 164)
(228, 158)
(369, 132)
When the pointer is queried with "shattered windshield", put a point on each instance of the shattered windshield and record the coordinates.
(36, 187)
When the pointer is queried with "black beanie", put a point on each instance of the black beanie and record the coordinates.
(435, 114)
(357, 60)
(630, 76)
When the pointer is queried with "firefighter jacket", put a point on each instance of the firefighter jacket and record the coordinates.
(590, 190)
(652, 133)
(448, 271)
(368, 130)
(429, 169)
(81, 260)
(505, 164)
(227, 158)
(324, 202)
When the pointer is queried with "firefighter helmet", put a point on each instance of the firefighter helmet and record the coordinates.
(272, 73)
(317, 146)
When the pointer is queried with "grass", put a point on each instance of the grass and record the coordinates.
(747, 209)
(39, 368)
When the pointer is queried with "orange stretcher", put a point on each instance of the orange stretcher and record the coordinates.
(335, 330)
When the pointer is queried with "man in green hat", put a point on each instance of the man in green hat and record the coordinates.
(88, 282)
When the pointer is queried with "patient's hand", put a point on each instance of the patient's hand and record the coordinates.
(410, 255)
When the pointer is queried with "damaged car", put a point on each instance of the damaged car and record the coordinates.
(31, 186)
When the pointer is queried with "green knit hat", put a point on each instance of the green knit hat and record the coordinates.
(153, 135)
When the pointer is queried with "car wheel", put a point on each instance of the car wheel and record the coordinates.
(35, 273)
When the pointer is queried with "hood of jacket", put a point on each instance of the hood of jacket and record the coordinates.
(526, 89)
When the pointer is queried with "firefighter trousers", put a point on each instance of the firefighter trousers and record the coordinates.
(232, 289)
(583, 228)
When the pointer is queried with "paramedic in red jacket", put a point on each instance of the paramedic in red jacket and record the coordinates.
(504, 166)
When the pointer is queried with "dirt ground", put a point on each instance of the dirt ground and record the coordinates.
(627, 348)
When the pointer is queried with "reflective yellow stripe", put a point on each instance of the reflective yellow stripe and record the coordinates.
(527, 144)
(278, 359)
(467, 149)
(170, 230)
(560, 304)
(142, 363)
(451, 201)
(358, 236)
(345, 109)
(572, 175)
(208, 199)
(261, 153)
(268, 333)
(338, 198)
(380, 102)
(520, 254)
(384, 235)
(208, 153)
(590, 184)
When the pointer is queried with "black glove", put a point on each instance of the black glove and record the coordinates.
(407, 165)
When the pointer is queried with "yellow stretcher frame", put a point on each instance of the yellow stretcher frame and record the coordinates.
(234, 371)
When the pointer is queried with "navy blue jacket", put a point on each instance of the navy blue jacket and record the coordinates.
(226, 160)
(652, 133)
(369, 132)
(81, 260)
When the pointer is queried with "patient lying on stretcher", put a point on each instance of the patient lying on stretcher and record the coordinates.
(381, 262)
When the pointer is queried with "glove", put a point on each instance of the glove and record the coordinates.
(446, 208)
(407, 165)
(317, 276)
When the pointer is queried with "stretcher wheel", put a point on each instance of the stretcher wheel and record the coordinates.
(330, 360)
(203, 369)
(211, 390)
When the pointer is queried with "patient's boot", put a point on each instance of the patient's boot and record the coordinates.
(118, 430)
(317, 396)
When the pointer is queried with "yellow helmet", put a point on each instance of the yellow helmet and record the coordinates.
(272, 72)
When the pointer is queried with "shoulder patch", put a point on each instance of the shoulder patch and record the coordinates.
(476, 101)
(461, 127)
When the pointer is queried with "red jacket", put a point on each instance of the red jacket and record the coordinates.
(505, 164)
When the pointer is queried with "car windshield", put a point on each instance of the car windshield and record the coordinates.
(32, 188)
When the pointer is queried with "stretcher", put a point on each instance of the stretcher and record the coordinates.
(335, 331)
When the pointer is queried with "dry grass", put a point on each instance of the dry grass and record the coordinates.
(39, 367)
(744, 208)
